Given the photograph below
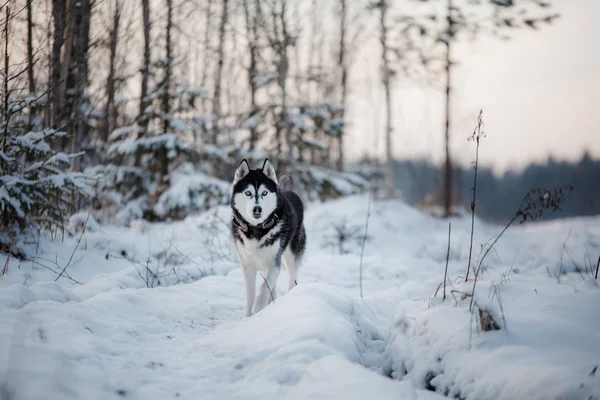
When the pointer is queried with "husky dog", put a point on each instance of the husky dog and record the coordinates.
(267, 229)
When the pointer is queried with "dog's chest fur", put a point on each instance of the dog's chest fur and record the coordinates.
(259, 251)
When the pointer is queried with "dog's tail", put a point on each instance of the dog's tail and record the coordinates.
(286, 184)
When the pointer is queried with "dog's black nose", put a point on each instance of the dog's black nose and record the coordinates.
(257, 210)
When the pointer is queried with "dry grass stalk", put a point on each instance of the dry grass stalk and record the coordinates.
(487, 322)
(478, 133)
(447, 259)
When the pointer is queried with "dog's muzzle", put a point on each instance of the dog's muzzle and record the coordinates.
(256, 212)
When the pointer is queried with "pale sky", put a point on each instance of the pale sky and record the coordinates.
(540, 94)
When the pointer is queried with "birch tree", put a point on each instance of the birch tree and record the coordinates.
(219, 72)
(56, 95)
(145, 68)
(206, 50)
(382, 6)
(168, 69)
(30, 61)
(252, 21)
(472, 19)
(82, 16)
(342, 62)
(110, 109)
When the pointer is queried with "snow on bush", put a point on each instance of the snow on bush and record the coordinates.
(325, 184)
(163, 143)
(82, 220)
(190, 194)
(540, 352)
(35, 191)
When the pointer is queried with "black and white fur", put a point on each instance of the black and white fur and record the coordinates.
(267, 229)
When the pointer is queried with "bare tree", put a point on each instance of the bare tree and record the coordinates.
(206, 47)
(111, 111)
(168, 68)
(82, 16)
(6, 91)
(219, 72)
(30, 60)
(342, 61)
(447, 40)
(145, 69)
(252, 38)
(280, 41)
(56, 95)
(315, 69)
(281, 37)
(386, 71)
(463, 18)
(315, 25)
(67, 83)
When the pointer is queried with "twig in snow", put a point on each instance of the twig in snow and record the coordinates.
(447, 259)
(577, 269)
(362, 250)
(5, 267)
(498, 294)
(151, 278)
(268, 287)
(66, 275)
(476, 136)
(8, 253)
(344, 233)
(597, 267)
(75, 249)
(532, 207)
(587, 259)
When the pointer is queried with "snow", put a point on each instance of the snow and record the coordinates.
(129, 146)
(83, 220)
(542, 353)
(251, 122)
(120, 132)
(214, 152)
(325, 183)
(192, 193)
(158, 313)
(264, 79)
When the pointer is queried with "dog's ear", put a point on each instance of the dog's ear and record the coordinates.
(241, 172)
(269, 170)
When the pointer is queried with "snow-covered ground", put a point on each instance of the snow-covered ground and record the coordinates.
(155, 312)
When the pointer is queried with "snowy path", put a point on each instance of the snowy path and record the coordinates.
(113, 338)
(189, 340)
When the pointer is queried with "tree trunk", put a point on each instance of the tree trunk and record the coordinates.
(5, 91)
(344, 82)
(389, 160)
(447, 186)
(205, 51)
(219, 72)
(67, 83)
(110, 108)
(166, 99)
(252, 32)
(30, 72)
(81, 14)
(314, 14)
(145, 70)
(283, 69)
(56, 95)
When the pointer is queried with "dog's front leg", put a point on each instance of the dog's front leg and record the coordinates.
(267, 287)
(249, 272)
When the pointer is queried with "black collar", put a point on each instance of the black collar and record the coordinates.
(244, 226)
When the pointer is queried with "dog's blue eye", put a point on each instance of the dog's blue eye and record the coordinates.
(247, 193)
(264, 193)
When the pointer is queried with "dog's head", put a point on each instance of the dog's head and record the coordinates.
(255, 192)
